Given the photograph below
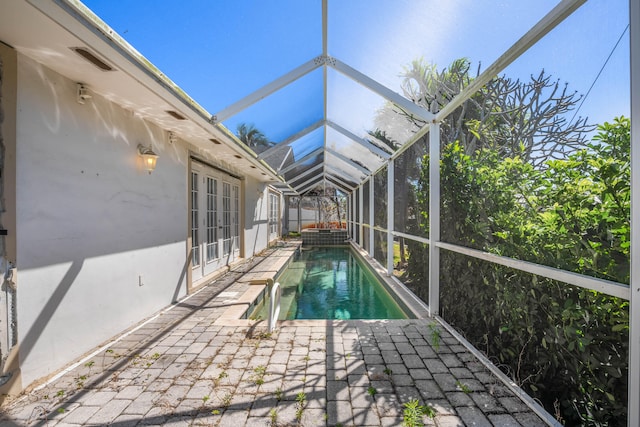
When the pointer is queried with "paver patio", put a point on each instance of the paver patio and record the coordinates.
(182, 368)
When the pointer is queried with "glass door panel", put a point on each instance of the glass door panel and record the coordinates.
(215, 214)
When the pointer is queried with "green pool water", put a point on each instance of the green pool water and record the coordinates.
(331, 283)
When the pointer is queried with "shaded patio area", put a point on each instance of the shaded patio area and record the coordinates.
(186, 367)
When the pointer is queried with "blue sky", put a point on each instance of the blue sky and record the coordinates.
(219, 51)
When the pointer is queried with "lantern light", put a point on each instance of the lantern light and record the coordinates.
(149, 158)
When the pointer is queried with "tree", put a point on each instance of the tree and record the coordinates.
(520, 179)
(565, 345)
(331, 204)
(253, 137)
(525, 118)
(407, 169)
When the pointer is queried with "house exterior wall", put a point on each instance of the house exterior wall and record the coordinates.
(256, 214)
(8, 326)
(101, 243)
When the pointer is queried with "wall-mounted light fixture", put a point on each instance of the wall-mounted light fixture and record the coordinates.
(149, 158)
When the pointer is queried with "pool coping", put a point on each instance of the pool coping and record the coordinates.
(269, 269)
(399, 290)
(257, 281)
(233, 317)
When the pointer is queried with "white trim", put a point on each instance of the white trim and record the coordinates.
(381, 90)
(330, 174)
(434, 218)
(305, 173)
(325, 32)
(284, 158)
(312, 185)
(412, 237)
(634, 300)
(273, 215)
(348, 161)
(337, 181)
(311, 181)
(266, 90)
(297, 163)
(524, 397)
(332, 181)
(280, 146)
(366, 144)
(544, 26)
(371, 217)
(339, 171)
(325, 44)
(353, 213)
(605, 286)
(360, 221)
(390, 213)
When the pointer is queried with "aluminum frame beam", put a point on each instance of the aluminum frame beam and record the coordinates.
(531, 37)
(337, 179)
(351, 186)
(360, 220)
(325, 26)
(338, 171)
(284, 158)
(607, 287)
(372, 218)
(434, 220)
(280, 145)
(306, 190)
(331, 180)
(325, 54)
(336, 167)
(390, 214)
(267, 90)
(308, 185)
(381, 90)
(366, 144)
(305, 173)
(633, 405)
(297, 163)
(313, 175)
(354, 218)
(348, 161)
(542, 28)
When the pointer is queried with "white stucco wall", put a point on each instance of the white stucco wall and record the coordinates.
(90, 221)
(256, 226)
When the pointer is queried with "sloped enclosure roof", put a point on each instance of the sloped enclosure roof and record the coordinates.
(325, 92)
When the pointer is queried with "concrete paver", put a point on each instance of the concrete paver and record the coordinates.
(187, 368)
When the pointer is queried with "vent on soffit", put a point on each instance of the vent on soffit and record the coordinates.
(176, 115)
(92, 58)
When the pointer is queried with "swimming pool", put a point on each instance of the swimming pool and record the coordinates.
(332, 283)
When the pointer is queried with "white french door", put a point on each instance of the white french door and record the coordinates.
(274, 216)
(215, 204)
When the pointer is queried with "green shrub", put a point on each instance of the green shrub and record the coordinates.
(565, 345)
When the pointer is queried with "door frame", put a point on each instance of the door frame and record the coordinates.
(201, 167)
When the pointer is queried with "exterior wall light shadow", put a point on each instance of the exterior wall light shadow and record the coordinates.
(149, 158)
